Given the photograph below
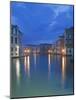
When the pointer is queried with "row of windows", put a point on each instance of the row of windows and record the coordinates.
(12, 40)
(13, 49)
(69, 36)
(15, 54)
(70, 50)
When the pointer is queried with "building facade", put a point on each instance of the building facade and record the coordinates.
(69, 41)
(60, 45)
(45, 48)
(15, 41)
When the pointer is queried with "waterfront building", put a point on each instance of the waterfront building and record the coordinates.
(60, 49)
(31, 49)
(54, 49)
(15, 41)
(69, 41)
(45, 48)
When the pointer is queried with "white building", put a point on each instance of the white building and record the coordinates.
(15, 41)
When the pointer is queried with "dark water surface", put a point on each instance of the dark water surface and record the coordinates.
(41, 75)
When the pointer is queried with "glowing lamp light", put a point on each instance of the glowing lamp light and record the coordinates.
(63, 51)
(49, 51)
(27, 51)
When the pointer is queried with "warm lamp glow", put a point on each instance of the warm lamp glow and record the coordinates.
(27, 50)
(63, 51)
(49, 51)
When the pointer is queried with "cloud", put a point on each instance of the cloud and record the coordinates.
(52, 23)
(41, 22)
(61, 14)
(61, 9)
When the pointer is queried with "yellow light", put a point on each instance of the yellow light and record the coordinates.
(63, 51)
(18, 70)
(27, 50)
(27, 65)
(63, 69)
(49, 63)
(49, 51)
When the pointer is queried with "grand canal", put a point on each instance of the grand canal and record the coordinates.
(42, 75)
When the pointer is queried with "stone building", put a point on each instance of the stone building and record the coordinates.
(69, 40)
(15, 41)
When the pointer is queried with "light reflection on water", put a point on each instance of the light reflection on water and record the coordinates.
(35, 58)
(18, 70)
(49, 65)
(27, 65)
(44, 75)
(63, 69)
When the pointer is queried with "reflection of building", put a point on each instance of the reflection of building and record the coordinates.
(69, 40)
(15, 41)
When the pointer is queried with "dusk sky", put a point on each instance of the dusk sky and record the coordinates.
(41, 23)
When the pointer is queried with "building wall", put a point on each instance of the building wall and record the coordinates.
(69, 41)
(60, 45)
(45, 47)
(15, 41)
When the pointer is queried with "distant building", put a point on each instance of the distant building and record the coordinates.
(45, 48)
(69, 40)
(15, 41)
(54, 48)
(31, 49)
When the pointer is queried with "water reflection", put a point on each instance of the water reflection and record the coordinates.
(49, 65)
(63, 69)
(18, 70)
(35, 60)
(27, 65)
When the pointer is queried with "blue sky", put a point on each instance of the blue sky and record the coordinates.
(41, 23)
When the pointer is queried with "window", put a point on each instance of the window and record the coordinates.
(11, 49)
(70, 36)
(70, 50)
(11, 39)
(16, 53)
(12, 54)
(16, 40)
(14, 30)
(15, 49)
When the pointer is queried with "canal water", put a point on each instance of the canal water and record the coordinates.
(42, 75)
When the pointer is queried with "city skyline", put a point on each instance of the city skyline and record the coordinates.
(41, 23)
